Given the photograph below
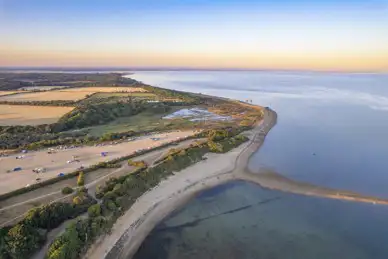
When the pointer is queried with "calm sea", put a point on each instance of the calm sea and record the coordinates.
(332, 131)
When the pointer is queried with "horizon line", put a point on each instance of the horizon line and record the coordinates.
(158, 68)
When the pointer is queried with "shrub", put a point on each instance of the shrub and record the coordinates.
(81, 179)
(119, 189)
(111, 205)
(245, 123)
(82, 190)
(67, 190)
(215, 147)
(110, 195)
(217, 135)
(77, 200)
(137, 163)
(94, 210)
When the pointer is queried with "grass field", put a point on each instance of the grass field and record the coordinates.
(137, 94)
(151, 121)
(143, 121)
(30, 115)
(105, 89)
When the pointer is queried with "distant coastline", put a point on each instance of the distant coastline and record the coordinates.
(133, 69)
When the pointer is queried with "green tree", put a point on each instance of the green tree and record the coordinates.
(77, 200)
(66, 246)
(94, 210)
(67, 190)
(22, 240)
(81, 179)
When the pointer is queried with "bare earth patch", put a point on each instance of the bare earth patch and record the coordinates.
(57, 162)
(30, 115)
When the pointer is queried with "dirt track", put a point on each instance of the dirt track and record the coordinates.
(12, 209)
(57, 163)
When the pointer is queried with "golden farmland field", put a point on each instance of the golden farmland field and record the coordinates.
(72, 94)
(45, 96)
(30, 115)
(8, 92)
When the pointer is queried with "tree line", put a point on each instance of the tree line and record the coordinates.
(26, 237)
(13, 81)
(118, 194)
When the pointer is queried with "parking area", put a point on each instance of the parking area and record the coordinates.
(23, 169)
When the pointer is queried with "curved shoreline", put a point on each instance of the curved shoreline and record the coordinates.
(132, 228)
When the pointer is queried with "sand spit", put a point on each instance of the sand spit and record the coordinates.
(275, 181)
(132, 228)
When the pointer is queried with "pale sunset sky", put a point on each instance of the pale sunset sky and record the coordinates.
(285, 34)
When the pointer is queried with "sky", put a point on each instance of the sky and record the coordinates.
(347, 35)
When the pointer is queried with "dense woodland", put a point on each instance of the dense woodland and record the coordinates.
(13, 81)
(26, 237)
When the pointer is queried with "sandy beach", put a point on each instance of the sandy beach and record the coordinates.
(132, 228)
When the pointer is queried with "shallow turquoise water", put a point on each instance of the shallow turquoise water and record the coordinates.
(242, 220)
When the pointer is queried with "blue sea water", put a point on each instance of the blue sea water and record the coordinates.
(332, 131)
(341, 118)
